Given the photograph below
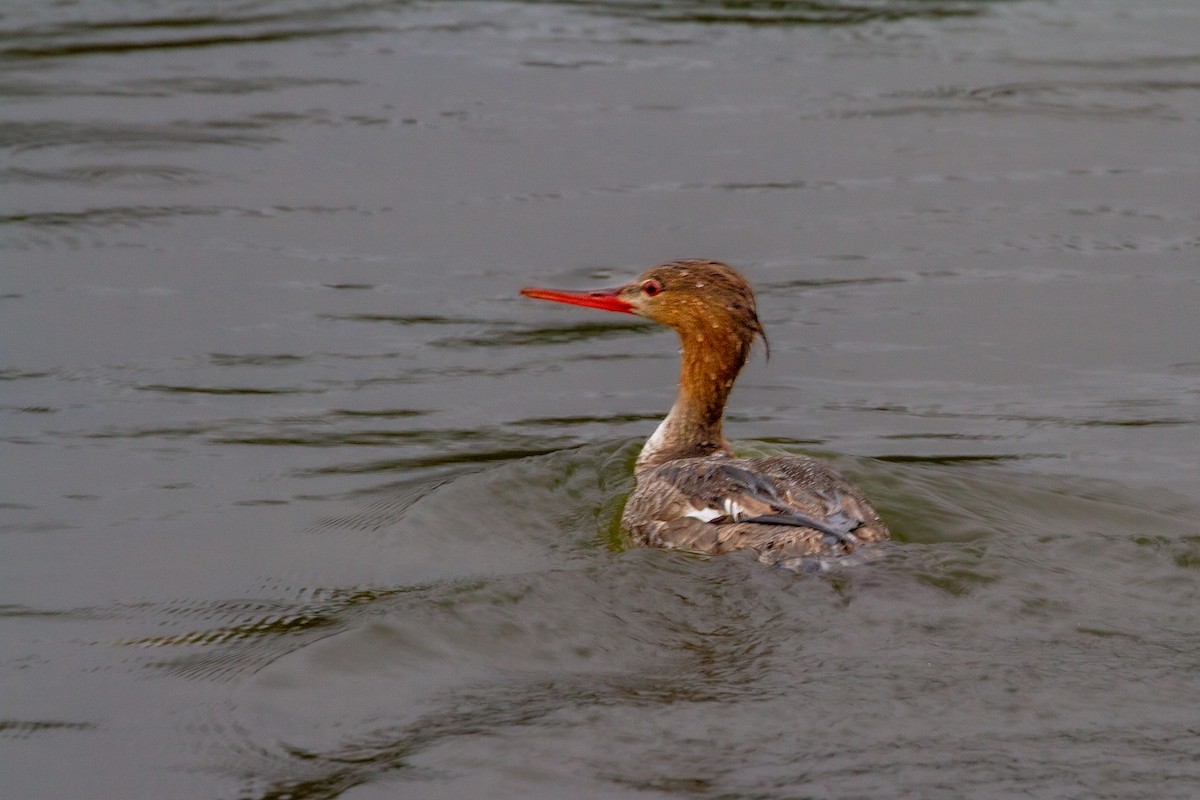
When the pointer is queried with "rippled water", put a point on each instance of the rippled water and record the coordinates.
(298, 498)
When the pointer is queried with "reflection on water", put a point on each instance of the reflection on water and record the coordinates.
(300, 499)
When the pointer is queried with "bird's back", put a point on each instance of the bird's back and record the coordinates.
(780, 507)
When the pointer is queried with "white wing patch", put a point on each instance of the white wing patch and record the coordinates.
(704, 514)
(734, 510)
(731, 509)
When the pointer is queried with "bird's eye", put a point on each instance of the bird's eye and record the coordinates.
(651, 288)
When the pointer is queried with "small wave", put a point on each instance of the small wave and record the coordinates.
(23, 729)
(547, 335)
(124, 175)
(23, 136)
(783, 13)
(107, 217)
(222, 390)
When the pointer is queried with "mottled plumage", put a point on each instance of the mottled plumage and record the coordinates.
(692, 492)
(780, 507)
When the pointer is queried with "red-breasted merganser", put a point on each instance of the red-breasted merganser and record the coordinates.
(692, 491)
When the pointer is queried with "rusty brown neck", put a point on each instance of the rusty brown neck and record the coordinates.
(712, 358)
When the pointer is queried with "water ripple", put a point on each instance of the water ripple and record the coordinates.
(124, 175)
(546, 335)
(1075, 99)
(780, 13)
(86, 38)
(107, 217)
(23, 729)
(24, 136)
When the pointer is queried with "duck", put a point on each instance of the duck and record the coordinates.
(692, 491)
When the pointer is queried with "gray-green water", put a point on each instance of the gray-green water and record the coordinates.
(298, 498)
